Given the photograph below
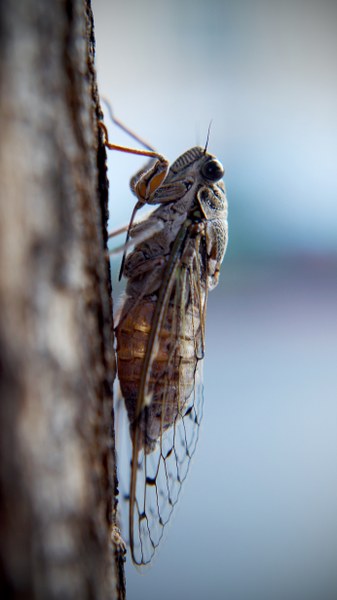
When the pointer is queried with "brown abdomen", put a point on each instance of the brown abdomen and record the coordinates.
(171, 380)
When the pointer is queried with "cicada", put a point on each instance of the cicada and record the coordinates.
(172, 260)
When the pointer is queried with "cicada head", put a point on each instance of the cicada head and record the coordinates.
(197, 164)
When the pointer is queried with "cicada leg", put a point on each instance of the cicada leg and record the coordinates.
(146, 184)
(118, 231)
(126, 129)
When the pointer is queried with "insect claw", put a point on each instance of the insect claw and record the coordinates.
(117, 539)
(148, 399)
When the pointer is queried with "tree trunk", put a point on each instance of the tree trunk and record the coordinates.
(57, 469)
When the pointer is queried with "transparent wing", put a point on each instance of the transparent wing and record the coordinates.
(165, 435)
(160, 475)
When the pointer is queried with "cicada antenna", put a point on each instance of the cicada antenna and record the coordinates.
(208, 135)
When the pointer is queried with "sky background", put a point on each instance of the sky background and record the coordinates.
(257, 517)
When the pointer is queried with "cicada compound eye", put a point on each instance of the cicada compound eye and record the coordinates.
(212, 170)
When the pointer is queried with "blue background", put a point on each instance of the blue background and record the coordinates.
(258, 517)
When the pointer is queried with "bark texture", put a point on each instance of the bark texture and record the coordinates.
(57, 469)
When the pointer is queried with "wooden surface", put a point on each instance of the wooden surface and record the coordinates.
(57, 469)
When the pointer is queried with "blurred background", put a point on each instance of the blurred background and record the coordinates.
(257, 518)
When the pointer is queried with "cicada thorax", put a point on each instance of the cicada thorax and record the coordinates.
(171, 372)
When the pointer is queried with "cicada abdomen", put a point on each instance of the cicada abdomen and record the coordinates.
(171, 380)
(161, 331)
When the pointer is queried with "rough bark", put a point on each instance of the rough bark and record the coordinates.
(57, 469)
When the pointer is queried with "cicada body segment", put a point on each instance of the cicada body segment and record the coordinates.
(171, 379)
(161, 334)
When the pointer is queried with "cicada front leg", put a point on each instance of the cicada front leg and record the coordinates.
(145, 183)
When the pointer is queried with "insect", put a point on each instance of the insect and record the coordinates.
(174, 262)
